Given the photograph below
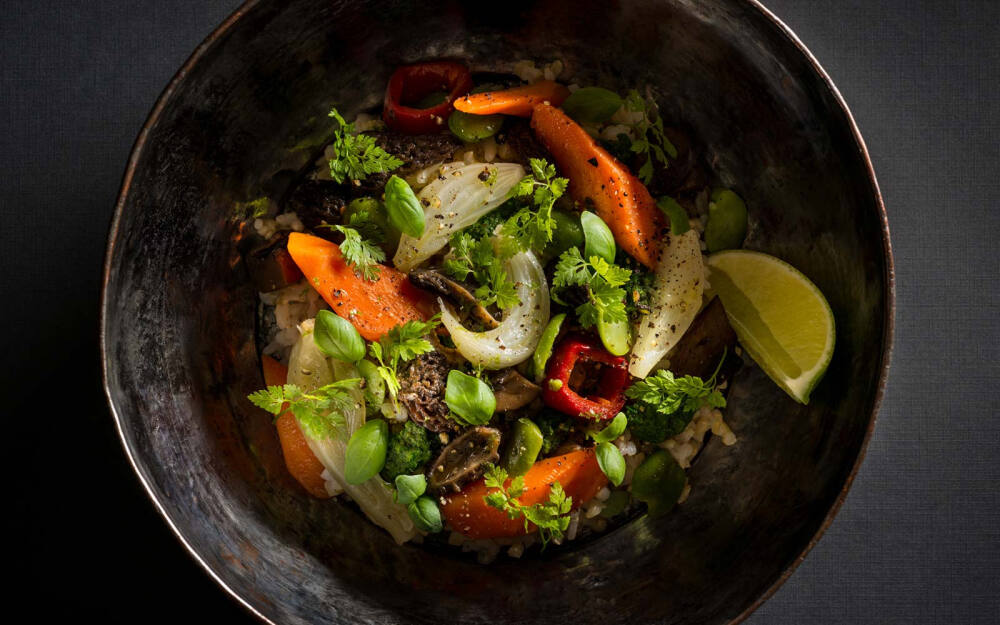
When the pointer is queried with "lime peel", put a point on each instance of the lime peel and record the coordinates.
(782, 319)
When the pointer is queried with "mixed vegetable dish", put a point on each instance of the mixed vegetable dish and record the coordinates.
(508, 308)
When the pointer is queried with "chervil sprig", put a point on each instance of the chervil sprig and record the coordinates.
(532, 228)
(669, 394)
(484, 261)
(551, 518)
(319, 412)
(650, 138)
(360, 253)
(401, 344)
(603, 282)
(357, 156)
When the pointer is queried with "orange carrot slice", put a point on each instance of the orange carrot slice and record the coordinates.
(577, 472)
(299, 458)
(373, 306)
(516, 101)
(619, 198)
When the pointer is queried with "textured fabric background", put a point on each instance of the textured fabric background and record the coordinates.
(918, 540)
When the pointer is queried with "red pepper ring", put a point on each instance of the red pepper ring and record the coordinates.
(410, 83)
(610, 396)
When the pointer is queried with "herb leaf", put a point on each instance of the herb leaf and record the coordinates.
(319, 412)
(533, 229)
(668, 394)
(650, 139)
(400, 344)
(485, 262)
(357, 156)
(602, 281)
(360, 253)
(551, 517)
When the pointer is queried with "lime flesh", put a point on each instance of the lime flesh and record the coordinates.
(781, 318)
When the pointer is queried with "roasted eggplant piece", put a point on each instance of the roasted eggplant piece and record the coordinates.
(699, 350)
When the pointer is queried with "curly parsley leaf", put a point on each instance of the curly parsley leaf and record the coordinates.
(532, 228)
(669, 394)
(484, 261)
(551, 517)
(357, 156)
(602, 281)
(401, 344)
(650, 139)
(360, 253)
(320, 412)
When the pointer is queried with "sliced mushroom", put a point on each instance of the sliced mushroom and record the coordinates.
(464, 458)
(468, 305)
(512, 390)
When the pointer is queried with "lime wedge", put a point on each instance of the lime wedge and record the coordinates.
(780, 317)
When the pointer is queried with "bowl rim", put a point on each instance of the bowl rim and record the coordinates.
(889, 294)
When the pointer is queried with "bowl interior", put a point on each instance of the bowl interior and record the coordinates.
(249, 112)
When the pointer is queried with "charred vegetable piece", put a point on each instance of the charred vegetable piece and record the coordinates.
(523, 445)
(512, 390)
(619, 198)
(464, 458)
(411, 83)
(710, 334)
(318, 201)
(271, 266)
(576, 350)
(577, 472)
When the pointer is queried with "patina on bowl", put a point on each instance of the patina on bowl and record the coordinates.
(248, 111)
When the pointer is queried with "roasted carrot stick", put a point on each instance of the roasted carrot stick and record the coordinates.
(619, 198)
(300, 460)
(516, 101)
(373, 306)
(578, 473)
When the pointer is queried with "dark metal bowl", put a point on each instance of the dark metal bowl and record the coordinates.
(248, 111)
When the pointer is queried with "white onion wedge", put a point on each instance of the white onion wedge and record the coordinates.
(456, 200)
(515, 339)
(674, 302)
(309, 369)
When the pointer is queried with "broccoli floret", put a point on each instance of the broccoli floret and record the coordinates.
(652, 426)
(555, 427)
(409, 452)
(489, 222)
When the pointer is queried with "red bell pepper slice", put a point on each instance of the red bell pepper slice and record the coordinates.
(610, 395)
(410, 83)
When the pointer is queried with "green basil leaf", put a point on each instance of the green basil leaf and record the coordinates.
(470, 398)
(365, 454)
(598, 240)
(405, 211)
(409, 488)
(613, 431)
(337, 338)
(425, 515)
(611, 462)
(593, 105)
(675, 213)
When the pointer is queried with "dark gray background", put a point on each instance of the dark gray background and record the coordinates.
(918, 540)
